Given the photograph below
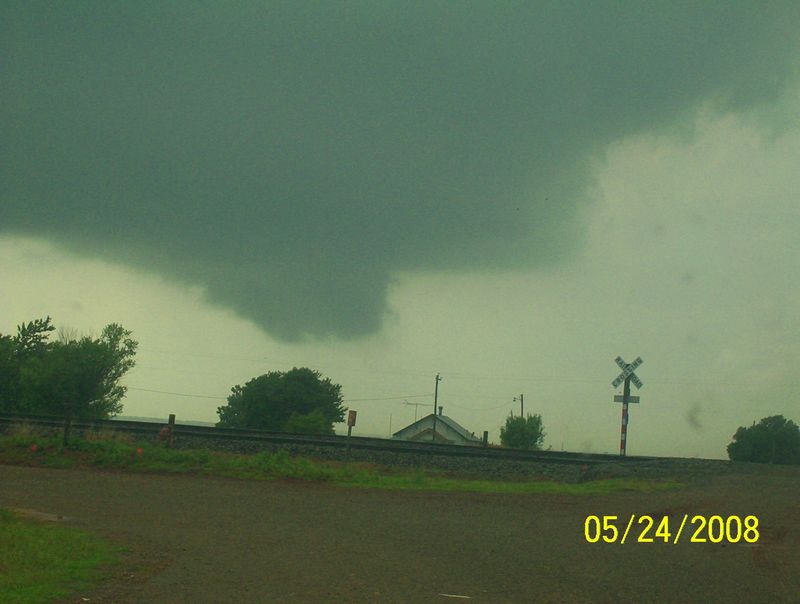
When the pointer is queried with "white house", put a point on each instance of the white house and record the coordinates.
(447, 431)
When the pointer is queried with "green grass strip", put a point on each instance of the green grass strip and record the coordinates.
(112, 453)
(595, 487)
(41, 562)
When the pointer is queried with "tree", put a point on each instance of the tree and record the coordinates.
(774, 439)
(523, 432)
(299, 400)
(21, 358)
(73, 378)
(9, 373)
(83, 375)
(32, 337)
(18, 355)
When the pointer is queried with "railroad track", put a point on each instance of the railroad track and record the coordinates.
(151, 429)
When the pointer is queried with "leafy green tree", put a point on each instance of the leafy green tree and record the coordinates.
(523, 432)
(32, 337)
(19, 357)
(299, 400)
(73, 378)
(9, 373)
(83, 375)
(774, 439)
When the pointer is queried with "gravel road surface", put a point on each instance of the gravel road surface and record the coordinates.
(196, 539)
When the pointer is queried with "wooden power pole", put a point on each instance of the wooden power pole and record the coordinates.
(435, 403)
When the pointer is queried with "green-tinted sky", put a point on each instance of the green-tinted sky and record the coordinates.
(509, 193)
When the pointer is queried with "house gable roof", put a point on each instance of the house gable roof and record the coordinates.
(451, 423)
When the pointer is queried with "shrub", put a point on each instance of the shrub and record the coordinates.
(523, 432)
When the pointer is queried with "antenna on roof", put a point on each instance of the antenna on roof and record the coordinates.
(416, 405)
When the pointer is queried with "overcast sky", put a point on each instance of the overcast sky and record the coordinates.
(510, 194)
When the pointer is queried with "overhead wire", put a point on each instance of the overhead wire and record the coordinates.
(508, 404)
(455, 375)
(388, 398)
(224, 398)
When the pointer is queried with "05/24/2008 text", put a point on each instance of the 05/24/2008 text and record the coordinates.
(666, 529)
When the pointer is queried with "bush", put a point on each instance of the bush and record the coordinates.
(523, 432)
(311, 423)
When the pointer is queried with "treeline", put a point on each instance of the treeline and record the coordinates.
(79, 378)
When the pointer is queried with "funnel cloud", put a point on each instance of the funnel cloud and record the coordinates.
(290, 158)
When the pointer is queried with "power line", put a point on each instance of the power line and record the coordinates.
(386, 398)
(481, 408)
(451, 375)
(222, 398)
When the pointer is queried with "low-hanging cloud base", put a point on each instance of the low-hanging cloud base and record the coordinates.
(291, 161)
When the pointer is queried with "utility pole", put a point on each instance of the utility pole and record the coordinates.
(435, 403)
(521, 407)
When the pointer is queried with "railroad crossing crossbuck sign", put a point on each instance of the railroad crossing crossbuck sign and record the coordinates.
(627, 376)
(627, 371)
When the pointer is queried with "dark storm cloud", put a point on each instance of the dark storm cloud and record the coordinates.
(290, 157)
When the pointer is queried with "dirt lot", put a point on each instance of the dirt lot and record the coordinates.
(218, 540)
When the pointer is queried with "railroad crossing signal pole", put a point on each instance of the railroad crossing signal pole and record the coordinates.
(623, 431)
(627, 376)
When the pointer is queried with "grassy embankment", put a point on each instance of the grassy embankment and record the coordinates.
(115, 451)
(42, 562)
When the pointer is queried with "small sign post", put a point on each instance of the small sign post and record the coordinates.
(351, 421)
(627, 376)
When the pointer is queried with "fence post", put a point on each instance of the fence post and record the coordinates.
(171, 428)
